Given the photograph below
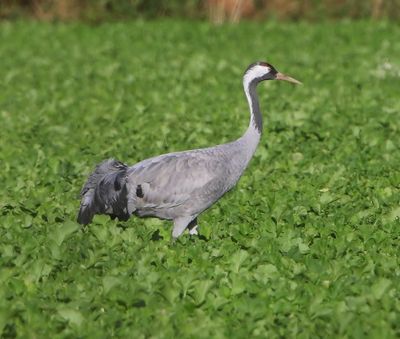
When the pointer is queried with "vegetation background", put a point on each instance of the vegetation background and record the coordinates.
(306, 246)
(216, 10)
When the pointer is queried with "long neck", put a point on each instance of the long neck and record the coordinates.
(252, 136)
(241, 150)
(256, 122)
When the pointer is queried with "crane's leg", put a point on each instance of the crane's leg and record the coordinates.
(180, 225)
(192, 227)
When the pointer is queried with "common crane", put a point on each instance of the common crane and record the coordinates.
(178, 186)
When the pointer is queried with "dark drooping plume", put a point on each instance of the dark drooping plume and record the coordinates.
(105, 192)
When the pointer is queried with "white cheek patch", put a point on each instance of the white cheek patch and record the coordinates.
(255, 72)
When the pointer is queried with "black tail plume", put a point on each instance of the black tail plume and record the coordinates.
(105, 192)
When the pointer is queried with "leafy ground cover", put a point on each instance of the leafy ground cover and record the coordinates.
(306, 246)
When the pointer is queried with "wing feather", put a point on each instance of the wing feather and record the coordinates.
(171, 180)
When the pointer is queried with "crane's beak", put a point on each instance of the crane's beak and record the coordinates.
(281, 76)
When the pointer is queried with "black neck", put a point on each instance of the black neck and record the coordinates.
(255, 113)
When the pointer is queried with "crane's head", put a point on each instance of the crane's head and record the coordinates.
(260, 71)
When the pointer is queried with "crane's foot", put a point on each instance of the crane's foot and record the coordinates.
(193, 230)
(193, 227)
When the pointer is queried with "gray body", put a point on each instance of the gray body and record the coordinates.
(186, 183)
(176, 186)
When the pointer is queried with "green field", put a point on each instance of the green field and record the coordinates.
(307, 244)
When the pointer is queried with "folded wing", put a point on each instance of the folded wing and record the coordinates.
(191, 179)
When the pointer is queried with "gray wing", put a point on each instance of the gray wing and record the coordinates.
(105, 192)
(193, 179)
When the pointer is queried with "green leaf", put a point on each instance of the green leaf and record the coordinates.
(71, 315)
(238, 259)
(201, 290)
(61, 232)
(380, 287)
(238, 285)
(265, 273)
(109, 282)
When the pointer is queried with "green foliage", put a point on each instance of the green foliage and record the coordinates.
(306, 246)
